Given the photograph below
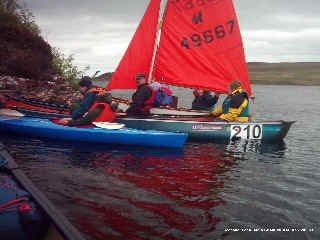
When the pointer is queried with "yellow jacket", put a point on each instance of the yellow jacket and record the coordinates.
(235, 108)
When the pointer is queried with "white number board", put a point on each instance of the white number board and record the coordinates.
(250, 131)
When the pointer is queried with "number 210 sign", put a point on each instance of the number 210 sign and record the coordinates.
(252, 131)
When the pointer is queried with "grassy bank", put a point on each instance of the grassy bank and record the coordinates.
(301, 73)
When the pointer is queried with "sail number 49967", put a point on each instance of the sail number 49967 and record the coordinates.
(252, 131)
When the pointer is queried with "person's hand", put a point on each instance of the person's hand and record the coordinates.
(65, 120)
(212, 115)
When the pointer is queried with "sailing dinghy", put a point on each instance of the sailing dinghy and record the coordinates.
(199, 45)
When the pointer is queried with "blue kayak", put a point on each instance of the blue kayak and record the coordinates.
(37, 127)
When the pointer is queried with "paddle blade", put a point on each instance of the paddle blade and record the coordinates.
(108, 125)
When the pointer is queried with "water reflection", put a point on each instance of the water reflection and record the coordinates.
(146, 197)
(121, 192)
(269, 150)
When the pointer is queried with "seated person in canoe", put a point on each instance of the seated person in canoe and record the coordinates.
(235, 107)
(203, 100)
(163, 95)
(97, 105)
(142, 99)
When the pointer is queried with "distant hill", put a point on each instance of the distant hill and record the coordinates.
(300, 73)
(104, 77)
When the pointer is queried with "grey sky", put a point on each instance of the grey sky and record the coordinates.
(98, 32)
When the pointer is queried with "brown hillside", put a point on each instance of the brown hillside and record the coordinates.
(300, 73)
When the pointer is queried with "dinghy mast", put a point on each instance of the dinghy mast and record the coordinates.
(155, 46)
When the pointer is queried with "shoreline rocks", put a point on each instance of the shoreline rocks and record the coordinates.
(56, 89)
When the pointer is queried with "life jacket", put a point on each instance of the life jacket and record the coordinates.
(226, 104)
(107, 114)
(148, 104)
(97, 89)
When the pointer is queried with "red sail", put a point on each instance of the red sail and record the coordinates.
(138, 56)
(201, 46)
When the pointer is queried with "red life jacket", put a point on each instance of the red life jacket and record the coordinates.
(97, 89)
(149, 102)
(107, 114)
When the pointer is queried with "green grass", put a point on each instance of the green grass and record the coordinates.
(301, 73)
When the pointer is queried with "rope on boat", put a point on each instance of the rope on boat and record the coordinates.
(13, 202)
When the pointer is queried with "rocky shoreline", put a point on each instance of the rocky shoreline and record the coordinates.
(56, 89)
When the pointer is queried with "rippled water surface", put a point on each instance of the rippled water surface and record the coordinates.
(244, 190)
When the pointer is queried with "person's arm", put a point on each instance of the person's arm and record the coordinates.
(194, 103)
(211, 100)
(216, 112)
(85, 104)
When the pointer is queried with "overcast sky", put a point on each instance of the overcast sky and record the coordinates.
(97, 32)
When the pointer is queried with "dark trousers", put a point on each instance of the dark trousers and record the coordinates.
(88, 118)
(137, 113)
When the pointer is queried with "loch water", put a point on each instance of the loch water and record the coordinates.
(241, 190)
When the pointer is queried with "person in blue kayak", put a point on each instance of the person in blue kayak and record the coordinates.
(97, 105)
(235, 107)
(142, 99)
(203, 100)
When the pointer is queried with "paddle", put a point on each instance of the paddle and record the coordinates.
(108, 125)
(10, 114)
